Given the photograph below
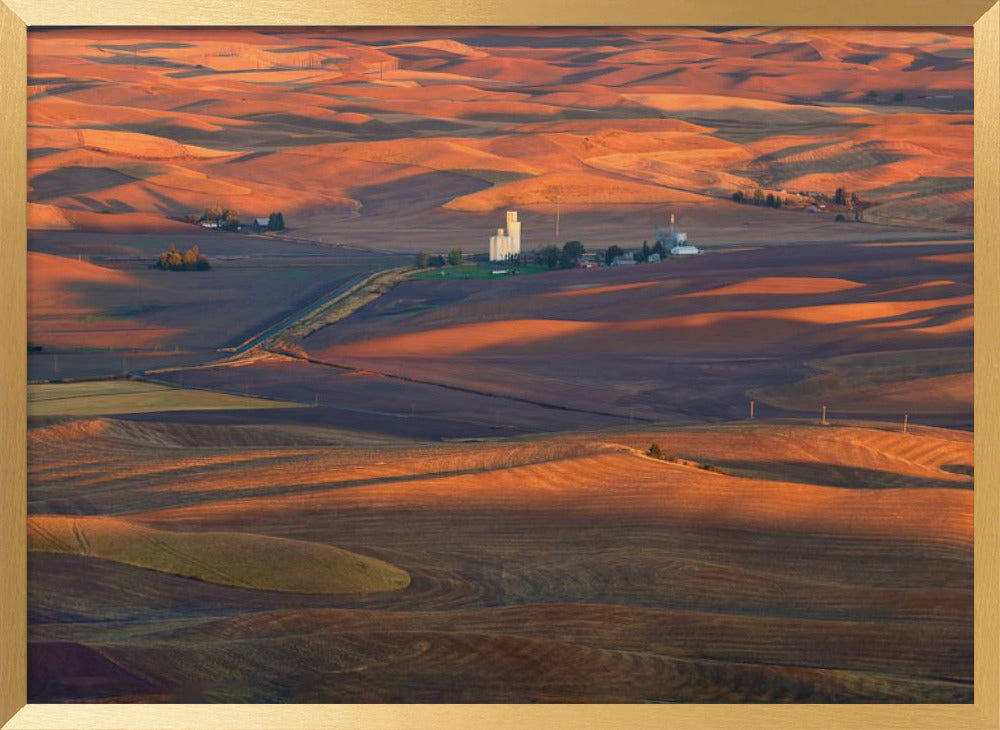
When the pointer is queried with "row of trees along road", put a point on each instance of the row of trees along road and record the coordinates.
(454, 258)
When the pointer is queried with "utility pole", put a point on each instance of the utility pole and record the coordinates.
(751, 410)
(906, 422)
(824, 415)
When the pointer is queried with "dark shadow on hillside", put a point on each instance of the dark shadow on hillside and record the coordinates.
(836, 475)
(62, 670)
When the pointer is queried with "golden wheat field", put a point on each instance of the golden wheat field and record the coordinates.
(294, 462)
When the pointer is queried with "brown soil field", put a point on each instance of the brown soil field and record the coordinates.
(106, 311)
(61, 317)
(630, 341)
(554, 569)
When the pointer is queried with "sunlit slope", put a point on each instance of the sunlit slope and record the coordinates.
(768, 562)
(134, 129)
(123, 396)
(869, 330)
(229, 558)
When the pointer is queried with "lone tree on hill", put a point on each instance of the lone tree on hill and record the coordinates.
(655, 451)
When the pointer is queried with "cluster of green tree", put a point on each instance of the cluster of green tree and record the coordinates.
(190, 260)
(850, 201)
(552, 257)
(611, 253)
(227, 218)
(759, 198)
(842, 197)
(454, 258)
(276, 222)
(646, 251)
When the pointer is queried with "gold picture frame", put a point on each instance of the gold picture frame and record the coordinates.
(17, 15)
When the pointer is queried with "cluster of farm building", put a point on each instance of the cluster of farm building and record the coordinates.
(505, 247)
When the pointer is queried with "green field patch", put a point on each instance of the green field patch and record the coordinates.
(106, 397)
(227, 558)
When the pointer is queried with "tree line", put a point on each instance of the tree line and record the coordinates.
(841, 196)
(552, 257)
(759, 198)
(454, 258)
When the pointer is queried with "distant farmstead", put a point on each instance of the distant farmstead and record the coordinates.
(676, 243)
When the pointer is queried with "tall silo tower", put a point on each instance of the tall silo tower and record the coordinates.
(514, 231)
